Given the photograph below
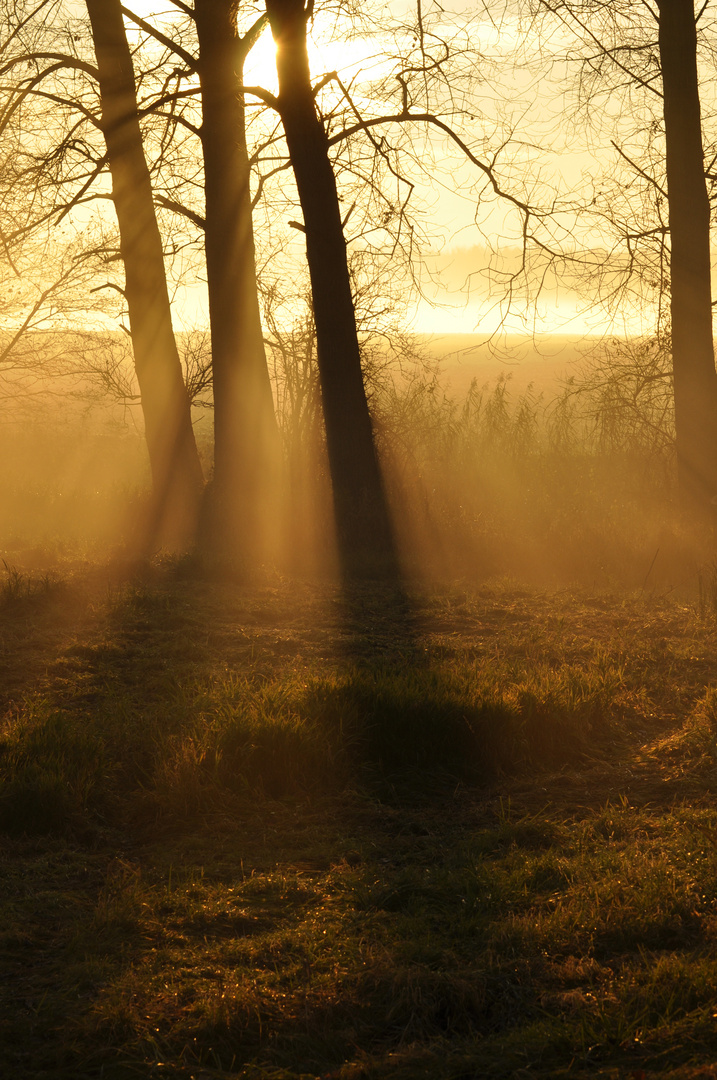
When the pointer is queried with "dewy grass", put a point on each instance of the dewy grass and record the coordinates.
(289, 734)
(53, 772)
(243, 835)
(400, 950)
(17, 586)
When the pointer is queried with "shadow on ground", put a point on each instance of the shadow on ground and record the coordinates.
(232, 881)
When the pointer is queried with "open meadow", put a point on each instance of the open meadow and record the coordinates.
(291, 831)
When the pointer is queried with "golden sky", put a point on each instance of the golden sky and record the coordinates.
(542, 155)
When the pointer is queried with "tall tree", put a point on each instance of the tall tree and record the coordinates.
(246, 444)
(246, 436)
(364, 529)
(693, 359)
(660, 82)
(176, 470)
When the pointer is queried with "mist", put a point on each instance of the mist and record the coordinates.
(358, 563)
(510, 460)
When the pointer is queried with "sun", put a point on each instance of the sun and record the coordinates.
(260, 66)
(349, 57)
(329, 50)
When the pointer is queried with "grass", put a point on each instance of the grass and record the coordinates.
(287, 833)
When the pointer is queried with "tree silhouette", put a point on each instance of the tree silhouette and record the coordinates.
(693, 360)
(364, 529)
(176, 471)
(236, 519)
(621, 51)
(64, 177)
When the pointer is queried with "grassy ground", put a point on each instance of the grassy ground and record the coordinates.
(283, 832)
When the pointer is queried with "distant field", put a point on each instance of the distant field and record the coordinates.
(542, 361)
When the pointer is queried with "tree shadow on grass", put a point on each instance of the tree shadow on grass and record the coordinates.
(381, 624)
(420, 941)
(415, 932)
(185, 699)
(418, 713)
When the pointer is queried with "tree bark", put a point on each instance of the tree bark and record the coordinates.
(246, 438)
(693, 361)
(174, 461)
(365, 534)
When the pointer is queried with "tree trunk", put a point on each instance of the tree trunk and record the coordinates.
(693, 360)
(246, 438)
(174, 461)
(365, 535)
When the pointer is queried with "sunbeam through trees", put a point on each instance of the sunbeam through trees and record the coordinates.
(358, 564)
